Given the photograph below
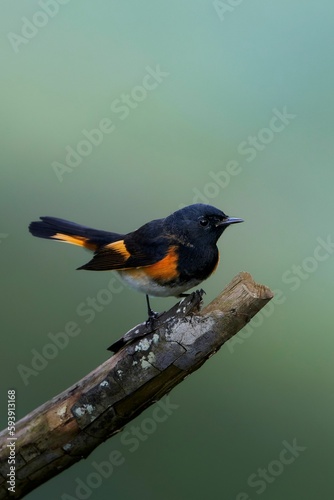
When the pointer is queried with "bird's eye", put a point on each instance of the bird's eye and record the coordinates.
(204, 222)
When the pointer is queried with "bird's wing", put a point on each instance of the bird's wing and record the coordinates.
(122, 255)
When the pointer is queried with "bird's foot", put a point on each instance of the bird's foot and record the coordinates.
(152, 315)
(152, 318)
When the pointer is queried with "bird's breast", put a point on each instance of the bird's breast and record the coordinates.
(198, 263)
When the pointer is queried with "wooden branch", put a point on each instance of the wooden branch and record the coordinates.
(70, 426)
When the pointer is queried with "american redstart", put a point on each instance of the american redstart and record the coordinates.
(165, 257)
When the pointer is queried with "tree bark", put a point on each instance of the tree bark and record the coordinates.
(148, 365)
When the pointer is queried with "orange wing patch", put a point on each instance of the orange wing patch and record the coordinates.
(166, 268)
(113, 256)
(74, 240)
(119, 247)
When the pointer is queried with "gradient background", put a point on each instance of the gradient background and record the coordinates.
(225, 78)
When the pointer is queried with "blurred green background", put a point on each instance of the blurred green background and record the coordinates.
(225, 67)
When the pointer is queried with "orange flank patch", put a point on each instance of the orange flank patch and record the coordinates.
(166, 268)
(119, 247)
(215, 268)
(74, 240)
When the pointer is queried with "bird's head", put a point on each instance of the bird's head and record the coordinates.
(200, 221)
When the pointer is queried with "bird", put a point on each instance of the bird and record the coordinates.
(164, 257)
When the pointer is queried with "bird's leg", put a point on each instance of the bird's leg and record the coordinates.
(152, 315)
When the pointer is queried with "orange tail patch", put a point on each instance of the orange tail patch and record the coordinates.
(81, 241)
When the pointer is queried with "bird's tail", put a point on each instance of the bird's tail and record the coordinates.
(52, 228)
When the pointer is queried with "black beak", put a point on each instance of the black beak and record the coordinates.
(228, 221)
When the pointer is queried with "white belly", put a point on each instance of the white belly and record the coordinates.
(138, 280)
